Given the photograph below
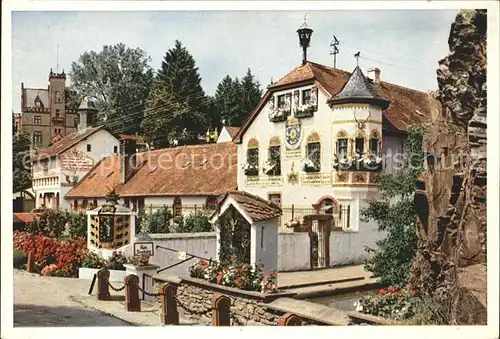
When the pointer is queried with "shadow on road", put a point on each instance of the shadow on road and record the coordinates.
(45, 316)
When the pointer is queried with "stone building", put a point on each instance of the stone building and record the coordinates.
(43, 112)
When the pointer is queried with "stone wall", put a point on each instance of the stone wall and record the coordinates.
(194, 303)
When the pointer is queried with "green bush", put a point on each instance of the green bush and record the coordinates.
(92, 260)
(396, 215)
(52, 223)
(197, 221)
(77, 224)
(20, 259)
(391, 303)
(155, 222)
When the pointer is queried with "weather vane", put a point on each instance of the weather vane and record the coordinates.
(357, 58)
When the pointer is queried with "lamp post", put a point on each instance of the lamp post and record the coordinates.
(304, 38)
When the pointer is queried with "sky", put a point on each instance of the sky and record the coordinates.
(405, 44)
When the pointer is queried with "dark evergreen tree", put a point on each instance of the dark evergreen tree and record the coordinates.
(251, 94)
(176, 106)
(228, 101)
(236, 99)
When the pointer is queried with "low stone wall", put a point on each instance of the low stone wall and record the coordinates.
(194, 302)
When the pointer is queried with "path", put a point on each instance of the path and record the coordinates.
(51, 301)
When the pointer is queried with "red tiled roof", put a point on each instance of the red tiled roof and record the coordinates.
(404, 102)
(138, 139)
(24, 217)
(187, 170)
(68, 141)
(232, 130)
(254, 206)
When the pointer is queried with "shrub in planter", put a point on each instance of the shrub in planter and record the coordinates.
(116, 262)
(20, 259)
(92, 260)
(390, 303)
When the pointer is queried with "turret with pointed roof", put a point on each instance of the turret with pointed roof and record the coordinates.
(359, 89)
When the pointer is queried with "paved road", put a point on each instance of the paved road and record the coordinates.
(50, 301)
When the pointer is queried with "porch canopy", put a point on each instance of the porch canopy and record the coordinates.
(247, 228)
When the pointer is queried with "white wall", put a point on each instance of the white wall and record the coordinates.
(224, 136)
(293, 253)
(201, 244)
(264, 242)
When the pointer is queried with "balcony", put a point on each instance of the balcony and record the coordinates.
(58, 119)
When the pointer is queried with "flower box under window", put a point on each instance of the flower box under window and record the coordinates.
(304, 111)
(251, 171)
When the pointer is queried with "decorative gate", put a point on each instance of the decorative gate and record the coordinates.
(319, 227)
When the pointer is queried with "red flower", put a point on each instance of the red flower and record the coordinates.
(391, 289)
(382, 291)
(219, 277)
(413, 293)
(358, 292)
(396, 293)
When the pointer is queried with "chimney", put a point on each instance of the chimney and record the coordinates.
(373, 74)
(127, 159)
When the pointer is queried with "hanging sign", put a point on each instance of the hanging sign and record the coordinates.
(145, 248)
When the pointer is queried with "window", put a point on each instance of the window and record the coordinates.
(38, 120)
(57, 113)
(282, 101)
(314, 154)
(75, 205)
(374, 146)
(16, 127)
(253, 157)
(275, 159)
(275, 198)
(115, 149)
(37, 138)
(327, 206)
(360, 145)
(306, 97)
(211, 203)
(342, 147)
(58, 96)
(89, 147)
(84, 204)
(177, 207)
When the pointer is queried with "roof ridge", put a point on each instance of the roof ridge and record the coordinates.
(256, 197)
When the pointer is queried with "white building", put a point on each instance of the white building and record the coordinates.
(57, 168)
(227, 133)
(314, 143)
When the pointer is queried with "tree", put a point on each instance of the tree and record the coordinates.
(228, 101)
(236, 99)
(396, 215)
(118, 78)
(176, 106)
(21, 171)
(251, 94)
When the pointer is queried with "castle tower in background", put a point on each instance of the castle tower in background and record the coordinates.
(43, 115)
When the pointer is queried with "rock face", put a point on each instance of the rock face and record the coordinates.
(451, 192)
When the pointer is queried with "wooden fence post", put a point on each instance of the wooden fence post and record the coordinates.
(220, 311)
(169, 314)
(29, 264)
(132, 301)
(289, 319)
(103, 284)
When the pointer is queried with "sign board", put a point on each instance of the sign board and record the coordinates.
(181, 255)
(144, 248)
(75, 160)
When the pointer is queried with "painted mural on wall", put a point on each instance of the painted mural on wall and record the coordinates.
(76, 161)
(293, 137)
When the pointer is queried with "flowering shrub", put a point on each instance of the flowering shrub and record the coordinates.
(116, 262)
(234, 274)
(390, 303)
(47, 251)
(309, 166)
(48, 270)
(295, 222)
(92, 260)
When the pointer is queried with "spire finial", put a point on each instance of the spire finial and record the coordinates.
(357, 58)
(305, 18)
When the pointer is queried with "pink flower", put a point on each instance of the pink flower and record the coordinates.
(382, 291)
(391, 289)
(358, 292)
